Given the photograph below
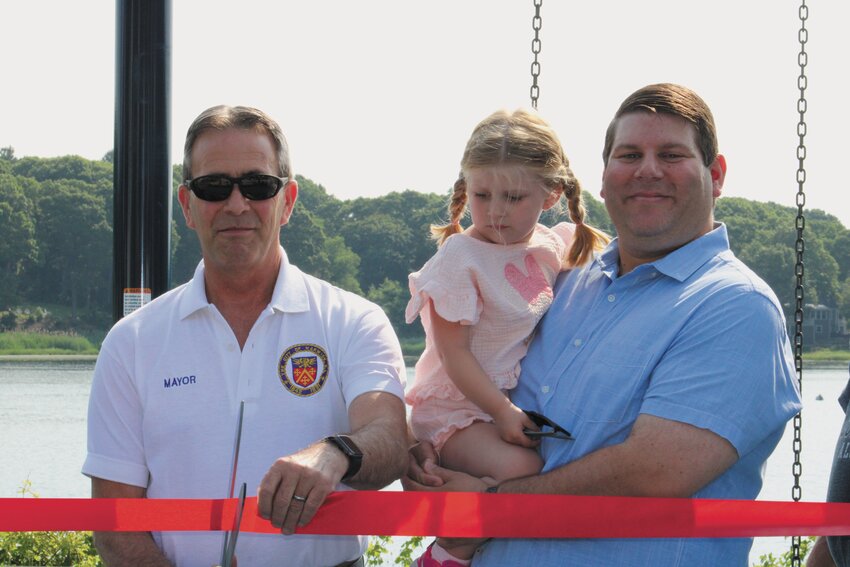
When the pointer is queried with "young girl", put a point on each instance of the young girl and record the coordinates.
(481, 295)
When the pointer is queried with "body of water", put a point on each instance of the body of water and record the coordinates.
(43, 426)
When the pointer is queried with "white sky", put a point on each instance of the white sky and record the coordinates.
(380, 95)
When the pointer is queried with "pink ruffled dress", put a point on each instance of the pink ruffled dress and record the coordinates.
(501, 291)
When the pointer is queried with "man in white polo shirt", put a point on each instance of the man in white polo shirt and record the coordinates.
(319, 370)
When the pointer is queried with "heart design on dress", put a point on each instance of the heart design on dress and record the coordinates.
(530, 286)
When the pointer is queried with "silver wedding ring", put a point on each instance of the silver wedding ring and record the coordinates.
(299, 498)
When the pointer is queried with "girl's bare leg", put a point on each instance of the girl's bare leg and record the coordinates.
(479, 451)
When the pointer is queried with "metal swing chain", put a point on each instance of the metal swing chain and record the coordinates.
(536, 24)
(802, 82)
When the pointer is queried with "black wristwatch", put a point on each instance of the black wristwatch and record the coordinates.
(350, 450)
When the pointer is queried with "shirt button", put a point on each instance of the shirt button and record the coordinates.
(545, 389)
(611, 298)
(229, 347)
(577, 342)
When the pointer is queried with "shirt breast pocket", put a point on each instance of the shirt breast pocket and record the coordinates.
(611, 388)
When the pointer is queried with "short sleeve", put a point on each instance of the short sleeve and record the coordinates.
(448, 281)
(371, 357)
(730, 379)
(115, 445)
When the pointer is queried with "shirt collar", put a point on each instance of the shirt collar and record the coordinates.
(679, 264)
(290, 290)
(289, 295)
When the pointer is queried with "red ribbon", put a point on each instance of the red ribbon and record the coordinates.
(454, 514)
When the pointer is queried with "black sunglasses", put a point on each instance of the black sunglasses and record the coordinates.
(253, 186)
(542, 421)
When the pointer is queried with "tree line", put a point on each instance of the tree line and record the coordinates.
(56, 241)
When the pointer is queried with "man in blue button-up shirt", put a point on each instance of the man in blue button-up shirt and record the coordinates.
(666, 357)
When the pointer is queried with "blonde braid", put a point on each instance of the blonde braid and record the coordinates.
(586, 239)
(457, 208)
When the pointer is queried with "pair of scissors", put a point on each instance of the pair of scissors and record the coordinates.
(542, 421)
(229, 548)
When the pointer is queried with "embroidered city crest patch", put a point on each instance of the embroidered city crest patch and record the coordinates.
(303, 369)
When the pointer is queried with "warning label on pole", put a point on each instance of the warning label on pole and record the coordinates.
(135, 297)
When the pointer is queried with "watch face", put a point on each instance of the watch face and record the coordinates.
(348, 447)
(350, 450)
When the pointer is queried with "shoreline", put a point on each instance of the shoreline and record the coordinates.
(41, 357)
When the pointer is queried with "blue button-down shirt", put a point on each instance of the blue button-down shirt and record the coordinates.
(694, 337)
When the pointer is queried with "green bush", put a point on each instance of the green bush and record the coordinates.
(44, 343)
(378, 549)
(47, 548)
(784, 560)
(8, 320)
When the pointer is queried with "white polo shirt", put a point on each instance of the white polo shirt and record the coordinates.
(167, 388)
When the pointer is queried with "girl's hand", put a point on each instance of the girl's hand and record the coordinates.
(510, 423)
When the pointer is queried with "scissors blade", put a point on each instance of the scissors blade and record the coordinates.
(236, 444)
(226, 560)
(565, 435)
(230, 547)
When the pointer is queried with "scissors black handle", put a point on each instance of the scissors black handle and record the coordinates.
(541, 421)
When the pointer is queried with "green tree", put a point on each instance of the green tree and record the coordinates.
(835, 238)
(383, 242)
(775, 264)
(185, 248)
(344, 264)
(66, 167)
(393, 298)
(391, 234)
(844, 298)
(7, 158)
(821, 274)
(839, 248)
(18, 247)
(314, 197)
(311, 249)
(746, 219)
(75, 239)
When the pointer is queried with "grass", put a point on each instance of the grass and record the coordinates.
(16, 342)
(824, 355)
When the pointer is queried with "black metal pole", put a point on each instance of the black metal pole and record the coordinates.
(142, 174)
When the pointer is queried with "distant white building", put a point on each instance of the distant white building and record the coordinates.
(823, 327)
